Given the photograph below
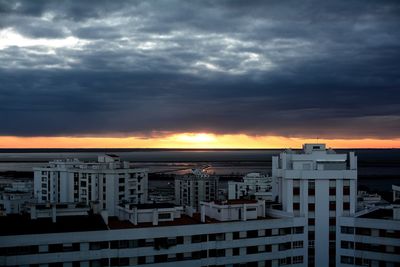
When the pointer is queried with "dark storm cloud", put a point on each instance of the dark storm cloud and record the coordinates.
(326, 69)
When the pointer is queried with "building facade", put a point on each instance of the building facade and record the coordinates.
(370, 238)
(15, 197)
(199, 240)
(191, 189)
(108, 181)
(254, 185)
(321, 186)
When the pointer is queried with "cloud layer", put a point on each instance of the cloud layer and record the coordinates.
(329, 69)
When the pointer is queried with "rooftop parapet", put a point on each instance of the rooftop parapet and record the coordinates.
(233, 210)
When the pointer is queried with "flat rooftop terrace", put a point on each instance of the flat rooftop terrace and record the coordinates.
(115, 223)
(385, 214)
(23, 225)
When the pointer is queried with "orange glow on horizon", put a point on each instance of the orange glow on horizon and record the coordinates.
(190, 140)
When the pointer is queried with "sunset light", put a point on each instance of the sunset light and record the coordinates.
(195, 138)
(189, 140)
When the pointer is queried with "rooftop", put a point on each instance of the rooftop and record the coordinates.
(385, 214)
(152, 206)
(235, 202)
(22, 224)
(115, 223)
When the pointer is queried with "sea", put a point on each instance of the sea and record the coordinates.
(378, 169)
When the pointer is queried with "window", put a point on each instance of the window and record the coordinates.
(160, 258)
(252, 234)
(285, 231)
(179, 256)
(298, 230)
(211, 237)
(311, 206)
(296, 191)
(346, 190)
(296, 206)
(235, 235)
(98, 245)
(196, 255)
(347, 230)
(347, 244)
(220, 252)
(285, 261)
(142, 260)
(297, 244)
(179, 240)
(311, 188)
(252, 250)
(199, 238)
(346, 205)
(311, 235)
(332, 205)
(236, 251)
(348, 260)
(332, 191)
(285, 246)
(212, 253)
(363, 231)
(164, 216)
(220, 237)
(297, 259)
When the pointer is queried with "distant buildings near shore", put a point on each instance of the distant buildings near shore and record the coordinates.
(307, 213)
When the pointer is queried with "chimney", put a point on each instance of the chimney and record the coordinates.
(396, 213)
(53, 213)
(203, 213)
(155, 217)
(104, 215)
(33, 212)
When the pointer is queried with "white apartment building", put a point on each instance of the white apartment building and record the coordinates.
(108, 181)
(370, 238)
(321, 186)
(253, 185)
(256, 239)
(192, 188)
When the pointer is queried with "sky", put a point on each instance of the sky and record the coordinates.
(248, 74)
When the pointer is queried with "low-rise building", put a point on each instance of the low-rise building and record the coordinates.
(253, 186)
(192, 188)
(15, 197)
